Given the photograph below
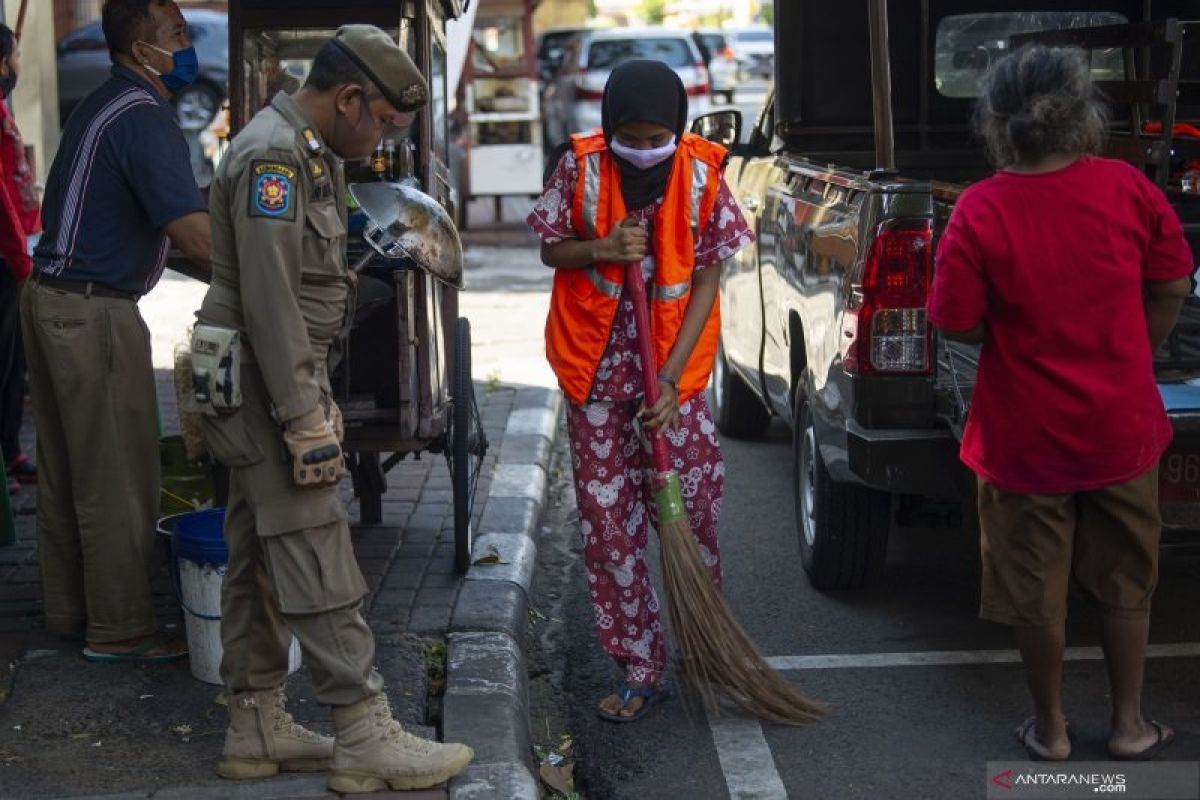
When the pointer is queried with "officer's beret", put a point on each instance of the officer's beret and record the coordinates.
(388, 66)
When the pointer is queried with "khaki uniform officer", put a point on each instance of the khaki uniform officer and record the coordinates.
(280, 282)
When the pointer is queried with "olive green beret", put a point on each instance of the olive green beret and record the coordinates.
(388, 66)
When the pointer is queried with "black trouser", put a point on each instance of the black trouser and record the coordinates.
(12, 365)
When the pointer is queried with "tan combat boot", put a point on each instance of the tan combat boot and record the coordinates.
(262, 739)
(374, 752)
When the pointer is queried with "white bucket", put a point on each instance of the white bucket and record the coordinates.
(200, 593)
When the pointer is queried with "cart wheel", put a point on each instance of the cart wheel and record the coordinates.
(468, 444)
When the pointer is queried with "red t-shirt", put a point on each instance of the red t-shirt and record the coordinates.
(1054, 263)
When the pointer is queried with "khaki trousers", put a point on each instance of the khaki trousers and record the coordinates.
(95, 408)
(291, 566)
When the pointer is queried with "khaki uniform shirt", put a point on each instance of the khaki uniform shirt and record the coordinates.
(279, 271)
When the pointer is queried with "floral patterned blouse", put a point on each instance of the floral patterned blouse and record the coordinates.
(619, 377)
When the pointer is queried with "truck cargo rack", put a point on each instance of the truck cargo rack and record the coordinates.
(1148, 96)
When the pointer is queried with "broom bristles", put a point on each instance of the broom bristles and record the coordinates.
(717, 652)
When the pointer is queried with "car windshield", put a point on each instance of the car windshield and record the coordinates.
(552, 41)
(715, 42)
(754, 36)
(606, 54)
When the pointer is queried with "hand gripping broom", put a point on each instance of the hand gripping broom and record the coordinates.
(717, 652)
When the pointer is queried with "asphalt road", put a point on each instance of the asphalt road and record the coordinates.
(895, 731)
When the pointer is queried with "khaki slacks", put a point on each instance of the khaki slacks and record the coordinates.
(95, 408)
(291, 568)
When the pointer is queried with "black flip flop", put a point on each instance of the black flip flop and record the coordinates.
(649, 694)
(1150, 753)
(1027, 736)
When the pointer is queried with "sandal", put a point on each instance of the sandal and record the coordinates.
(1165, 737)
(649, 694)
(141, 653)
(1027, 736)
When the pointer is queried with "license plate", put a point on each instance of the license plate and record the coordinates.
(1179, 477)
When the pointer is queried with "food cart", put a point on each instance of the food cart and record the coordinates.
(504, 135)
(404, 378)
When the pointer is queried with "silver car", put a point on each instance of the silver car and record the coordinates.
(572, 101)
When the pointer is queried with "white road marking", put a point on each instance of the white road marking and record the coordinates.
(951, 657)
(746, 760)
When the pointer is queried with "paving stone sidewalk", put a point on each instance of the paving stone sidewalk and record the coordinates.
(70, 728)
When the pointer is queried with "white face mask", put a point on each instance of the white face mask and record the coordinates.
(644, 159)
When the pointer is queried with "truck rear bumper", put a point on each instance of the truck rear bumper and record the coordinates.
(908, 461)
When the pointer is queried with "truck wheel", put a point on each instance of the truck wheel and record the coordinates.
(738, 412)
(843, 527)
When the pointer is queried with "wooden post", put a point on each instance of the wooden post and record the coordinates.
(21, 19)
(881, 86)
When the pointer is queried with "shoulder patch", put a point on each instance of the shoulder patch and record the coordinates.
(272, 190)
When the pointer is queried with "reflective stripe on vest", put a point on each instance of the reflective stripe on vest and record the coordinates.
(591, 192)
(675, 291)
(699, 182)
(603, 284)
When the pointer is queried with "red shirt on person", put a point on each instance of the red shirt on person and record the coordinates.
(15, 214)
(1054, 263)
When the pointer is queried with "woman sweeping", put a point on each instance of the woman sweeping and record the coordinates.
(639, 190)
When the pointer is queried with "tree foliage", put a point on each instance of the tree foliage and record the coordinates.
(652, 11)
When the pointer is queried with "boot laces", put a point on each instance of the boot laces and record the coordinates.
(395, 732)
(283, 722)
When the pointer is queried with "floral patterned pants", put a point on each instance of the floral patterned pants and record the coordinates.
(612, 464)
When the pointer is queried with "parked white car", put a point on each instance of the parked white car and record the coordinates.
(720, 60)
(755, 50)
(573, 103)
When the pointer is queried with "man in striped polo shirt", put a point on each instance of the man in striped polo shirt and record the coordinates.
(119, 192)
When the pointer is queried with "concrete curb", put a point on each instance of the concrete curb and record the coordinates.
(487, 700)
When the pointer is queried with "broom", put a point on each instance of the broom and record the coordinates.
(716, 651)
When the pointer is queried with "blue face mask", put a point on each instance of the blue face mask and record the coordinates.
(183, 73)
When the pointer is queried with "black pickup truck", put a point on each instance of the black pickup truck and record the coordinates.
(848, 177)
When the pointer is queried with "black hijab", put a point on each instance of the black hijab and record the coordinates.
(643, 91)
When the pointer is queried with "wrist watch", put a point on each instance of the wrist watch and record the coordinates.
(667, 379)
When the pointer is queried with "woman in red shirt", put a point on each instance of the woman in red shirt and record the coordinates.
(19, 217)
(1070, 270)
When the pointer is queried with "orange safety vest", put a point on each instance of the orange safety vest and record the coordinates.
(584, 301)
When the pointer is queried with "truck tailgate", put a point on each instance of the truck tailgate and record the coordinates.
(1179, 470)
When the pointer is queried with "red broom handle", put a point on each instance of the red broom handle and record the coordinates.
(641, 317)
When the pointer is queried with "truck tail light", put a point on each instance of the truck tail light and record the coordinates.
(888, 326)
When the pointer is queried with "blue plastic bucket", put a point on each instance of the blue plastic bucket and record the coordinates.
(199, 537)
(199, 560)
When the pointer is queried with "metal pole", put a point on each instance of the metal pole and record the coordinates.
(881, 86)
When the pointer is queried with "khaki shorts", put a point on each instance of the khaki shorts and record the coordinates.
(1033, 545)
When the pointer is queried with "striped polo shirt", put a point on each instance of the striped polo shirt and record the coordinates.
(121, 174)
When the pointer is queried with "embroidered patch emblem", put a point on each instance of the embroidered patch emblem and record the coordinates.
(413, 94)
(315, 167)
(271, 188)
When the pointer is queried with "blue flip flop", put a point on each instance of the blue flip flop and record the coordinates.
(649, 694)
